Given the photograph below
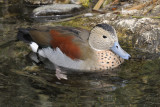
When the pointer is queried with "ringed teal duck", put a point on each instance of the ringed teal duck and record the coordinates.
(76, 48)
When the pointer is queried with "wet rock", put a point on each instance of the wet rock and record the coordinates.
(39, 2)
(110, 16)
(45, 2)
(156, 10)
(130, 12)
(88, 15)
(57, 11)
(141, 26)
(144, 32)
(75, 1)
(142, 1)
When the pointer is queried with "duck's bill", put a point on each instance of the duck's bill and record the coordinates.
(119, 51)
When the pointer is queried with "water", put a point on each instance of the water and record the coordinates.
(22, 84)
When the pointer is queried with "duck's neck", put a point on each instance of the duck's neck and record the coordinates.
(106, 60)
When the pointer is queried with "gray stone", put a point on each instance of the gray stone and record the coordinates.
(142, 1)
(144, 33)
(56, 9)
(156, 10)
(39, 2)
(88, 15)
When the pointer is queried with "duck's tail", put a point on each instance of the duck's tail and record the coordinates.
(23, 35)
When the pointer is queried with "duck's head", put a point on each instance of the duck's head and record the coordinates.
(104, 37)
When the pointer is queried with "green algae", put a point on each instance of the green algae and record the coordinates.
(85, 3)
(78, 22)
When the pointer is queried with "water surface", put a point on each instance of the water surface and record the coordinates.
(23, 84)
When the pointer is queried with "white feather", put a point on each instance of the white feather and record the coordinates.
(34, 47)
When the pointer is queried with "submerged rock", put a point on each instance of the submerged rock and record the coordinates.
(39, 2)
(57, 10)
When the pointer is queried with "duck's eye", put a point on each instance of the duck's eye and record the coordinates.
(104, 36)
